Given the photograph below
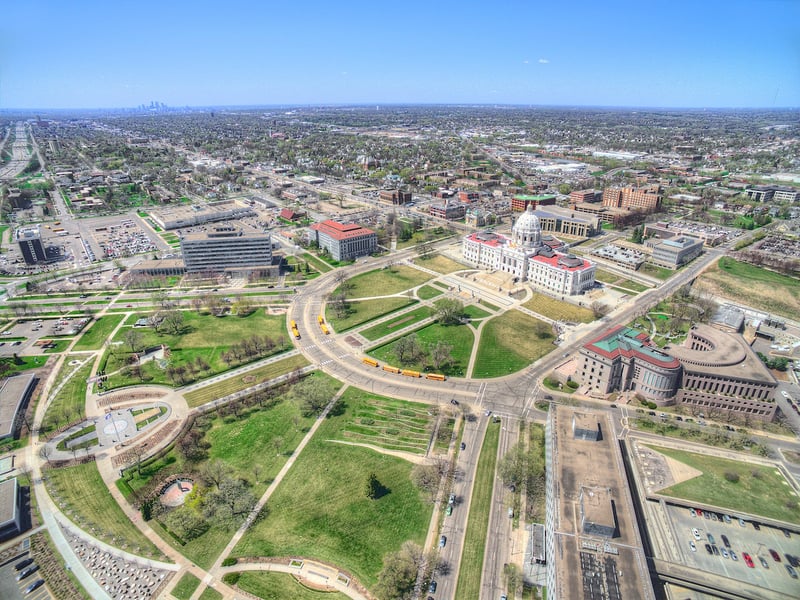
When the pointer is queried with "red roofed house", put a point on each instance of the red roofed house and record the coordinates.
(344, 241)
(289, 215)
(530, 257)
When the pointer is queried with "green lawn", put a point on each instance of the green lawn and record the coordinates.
(392, 325)
(473, 312)
(656, 271)
(471, 568)
(96, 335)
(632, 285)
(385, 422)
(320, 510)
(184, 589)
(440, 264)
(508, 344)
(385, 282)
(23, 363)
(558, 310)
(459, 336)
(427, 292)
(83, 496)
(313, 261)
(70, 403)
(210, 594)
(366, 310)
(281, 586)
(204, 336)
(228, 386)
(759, 490)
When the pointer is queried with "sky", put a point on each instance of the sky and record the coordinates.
(632, 53)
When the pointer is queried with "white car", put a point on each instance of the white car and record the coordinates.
(692, 546)
(696, 533)
(784, 393)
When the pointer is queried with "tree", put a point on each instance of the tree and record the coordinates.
(426, 478)
(449, 311)
(339, 304)
(229, 504)
(312, 395)
(193, 447)
(373, 487)
(441, 354)
(243, 306)
(277, 443)
(599, 309)
(408, 349)
(173, 321)
(214, 472)
(133, 337)
(397, 580)
(425, 249)
(135, 456)
(186, 523)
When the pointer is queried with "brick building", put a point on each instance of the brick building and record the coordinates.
(344, 241)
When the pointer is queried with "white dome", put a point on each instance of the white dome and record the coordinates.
(527, 231)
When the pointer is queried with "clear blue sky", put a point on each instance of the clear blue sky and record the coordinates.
(661, 53)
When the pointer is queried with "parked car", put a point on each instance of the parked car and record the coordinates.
(711, 539)
(442, 541)
(708, 549)
(27, 572)
(451, 499)
(696, 533)
(715, 550)
(763, 562)
(725, 541)
(22, 564)
(692, 546)
(432, 587)
(775, 556)
(724, 553)
(791, 571)
(733, 556)
(463, 446)
(34, 586)
(748, 560)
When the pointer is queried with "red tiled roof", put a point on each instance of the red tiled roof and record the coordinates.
(553, 262)
(341, 231)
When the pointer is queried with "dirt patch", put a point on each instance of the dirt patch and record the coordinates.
(399, 322)
(352, 341)
(680, 471)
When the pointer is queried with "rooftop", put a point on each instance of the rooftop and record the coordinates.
(341, 231)
(624, 341)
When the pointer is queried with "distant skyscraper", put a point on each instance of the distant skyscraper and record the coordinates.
(30, 244)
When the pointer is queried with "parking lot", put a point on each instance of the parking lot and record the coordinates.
(742, 539)
(34, 331)
(12, 589)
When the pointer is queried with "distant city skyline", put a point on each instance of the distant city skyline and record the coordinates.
(679, 54)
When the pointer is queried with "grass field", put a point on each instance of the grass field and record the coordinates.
(210, 594)
(70, 402)
(255, 447)
(459, 336)
(427, 292)
(764, 290)
(184, 589)
(82, 495)
(385, 282)
(759, 490)
(281, 586)
(251, 378)
(203, 336)
(473, 312)
(94, 337)
(320, 510)
(605, 276)
(558, 310)
(656, 271)
(471, 568)
(313, 261)
(440, 264)
(508, 344)
(392, 325)
(385, 422)
(632, 285)
(364, 311)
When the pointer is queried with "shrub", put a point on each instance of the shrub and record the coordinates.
(229, 562)
(732, 477)
(231, 578)
(573, 385)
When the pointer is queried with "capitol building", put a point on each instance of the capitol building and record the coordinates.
(529, 256)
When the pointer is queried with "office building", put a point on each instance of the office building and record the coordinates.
(227, 249)
(646, 199)
(520, 202)
(675, 252)
(344, 241)
(30, 244)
